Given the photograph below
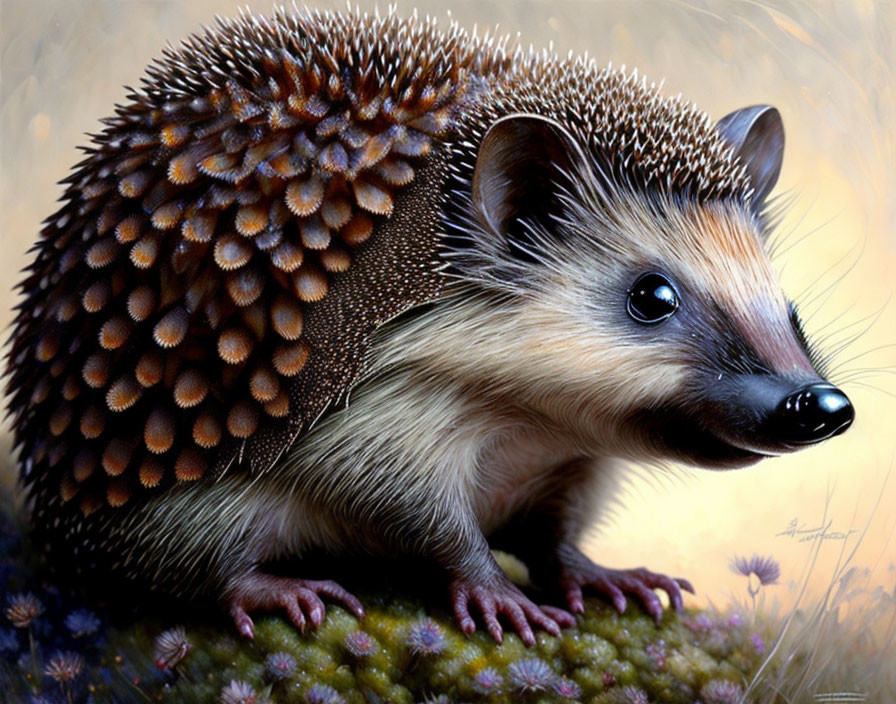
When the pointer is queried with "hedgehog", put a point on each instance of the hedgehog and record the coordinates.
(357, 284)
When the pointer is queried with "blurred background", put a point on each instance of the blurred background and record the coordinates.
(830, 67)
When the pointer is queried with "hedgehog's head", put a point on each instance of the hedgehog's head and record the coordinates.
(648, 315)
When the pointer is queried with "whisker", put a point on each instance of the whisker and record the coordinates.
(822, 340)
(834, 349)
(863, 385)
(866, 372)
(840, 363)
(774, 217)
(776, 250)
(829, 289)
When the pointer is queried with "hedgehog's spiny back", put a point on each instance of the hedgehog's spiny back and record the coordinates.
(163, 314)
(167, 313)
(639, 138)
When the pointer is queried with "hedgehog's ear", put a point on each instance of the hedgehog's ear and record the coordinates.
(757, 135)
(522, 162)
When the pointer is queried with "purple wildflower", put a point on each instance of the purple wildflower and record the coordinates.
(609, 679)
(82, 622)
(567, 689)
(64, 667)
(632, 695)
(657, 653)
(280, 666)
(238, 692)
(766, 569)
(23, 609)
(758, 643)
(531, 674)
(426, 638)
(721, 692)
(701, 623)
(487, 681)
(172, 646)
(735, 620)
(360, 644)
(323, 694)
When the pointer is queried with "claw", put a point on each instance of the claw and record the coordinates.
(685, 584)
(563, 618)
(298, 597)
(616, 584)
(504, 598)
(243, 623)
(614, 592)
(337, 593)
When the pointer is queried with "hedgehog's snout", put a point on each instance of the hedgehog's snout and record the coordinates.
(813, 413)
(789, 418)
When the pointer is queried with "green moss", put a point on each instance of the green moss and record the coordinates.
(599, 663)
(395, 674)
(404, 651)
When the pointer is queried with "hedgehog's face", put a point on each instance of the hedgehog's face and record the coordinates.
(658, 322)
(747, 387)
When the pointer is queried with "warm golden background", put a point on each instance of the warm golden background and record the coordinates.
(830, 67)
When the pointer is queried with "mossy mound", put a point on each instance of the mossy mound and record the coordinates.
(403, 652)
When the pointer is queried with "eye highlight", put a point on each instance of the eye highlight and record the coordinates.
(652, 299)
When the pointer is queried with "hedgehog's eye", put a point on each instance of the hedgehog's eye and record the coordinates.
(652, 299)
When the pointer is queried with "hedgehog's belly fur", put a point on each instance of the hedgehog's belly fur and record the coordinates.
(450, 449)
(336, 491)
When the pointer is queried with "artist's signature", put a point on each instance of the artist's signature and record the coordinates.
(840, 697)
(798, 529)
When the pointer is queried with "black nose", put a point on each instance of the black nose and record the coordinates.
(814, 413)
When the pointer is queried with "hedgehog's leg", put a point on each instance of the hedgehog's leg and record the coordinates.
(211, 539)
(578, 571)
(556, 562)
(444, 529)
(546, 539)
(300, 598)
(488, 589)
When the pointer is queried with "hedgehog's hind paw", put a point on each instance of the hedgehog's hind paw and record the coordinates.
(638, 582)
(300, 598)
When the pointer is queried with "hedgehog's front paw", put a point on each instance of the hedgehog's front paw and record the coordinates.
(638, 582)
(300, 598)
(501, 596)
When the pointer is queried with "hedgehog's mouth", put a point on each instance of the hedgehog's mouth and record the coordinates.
(705, 449)
(678, 436)
(701, 447)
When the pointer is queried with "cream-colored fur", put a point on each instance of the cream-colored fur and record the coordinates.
(479, 408)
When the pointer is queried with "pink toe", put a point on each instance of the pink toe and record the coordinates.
(686, 585)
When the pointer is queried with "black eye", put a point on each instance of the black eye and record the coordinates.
(652, 299)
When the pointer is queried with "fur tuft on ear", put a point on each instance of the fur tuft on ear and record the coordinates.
(520, 165)
(757, 135)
